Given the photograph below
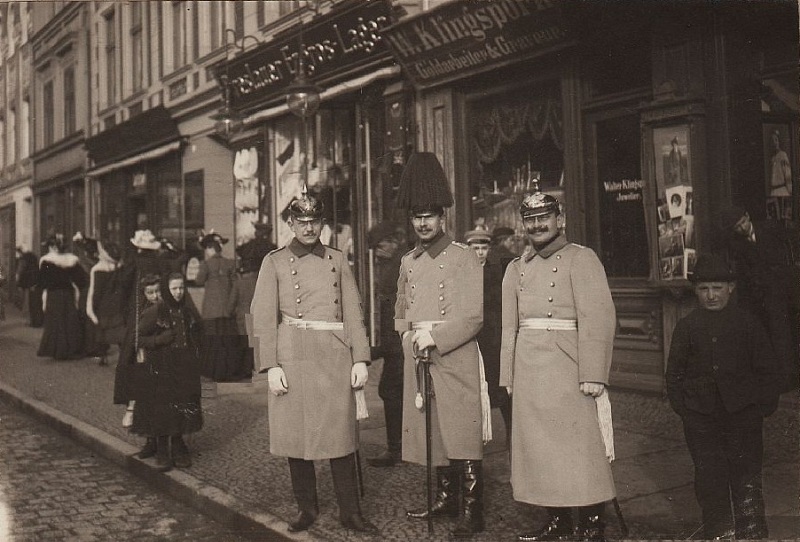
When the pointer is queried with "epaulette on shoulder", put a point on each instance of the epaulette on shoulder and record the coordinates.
(461, 245)
(271, 252)
(409, 252)
(332, 248)
(577, 245)
(518, 258)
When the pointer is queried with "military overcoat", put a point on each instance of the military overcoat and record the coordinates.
(557, 451)
(443, 283)
(316, 419)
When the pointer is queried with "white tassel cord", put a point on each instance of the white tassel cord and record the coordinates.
(606, 424)
(486, 406)
(361, 405)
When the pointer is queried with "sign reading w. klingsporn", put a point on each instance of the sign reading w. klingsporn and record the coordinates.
(466, 37)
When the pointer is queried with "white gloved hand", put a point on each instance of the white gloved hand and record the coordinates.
(277, 381)
(423, 339)
(509, 390)
(595, 389)
(359, 375)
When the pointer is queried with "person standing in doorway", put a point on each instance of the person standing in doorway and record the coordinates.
(558, 332)
(440, 309)
(309, 338)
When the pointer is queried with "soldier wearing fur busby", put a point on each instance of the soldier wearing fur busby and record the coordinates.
(309, 337)
(440, 306)
(558, 332)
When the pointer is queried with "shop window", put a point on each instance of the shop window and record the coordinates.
(69, 101)
(516, 142)
(251, 204)
(623, 232)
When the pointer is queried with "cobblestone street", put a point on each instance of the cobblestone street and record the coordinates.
(54, 489)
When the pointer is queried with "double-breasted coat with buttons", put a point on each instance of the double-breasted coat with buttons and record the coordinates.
(316, 419)
(557, 451)
(443, 283)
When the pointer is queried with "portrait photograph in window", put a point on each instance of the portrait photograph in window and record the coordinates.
(778, 171)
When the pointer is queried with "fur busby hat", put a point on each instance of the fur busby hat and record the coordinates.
(712, 268)
(423, 185)
(306, 207)
(211, 238)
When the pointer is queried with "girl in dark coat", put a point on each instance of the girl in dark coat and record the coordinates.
(168, 399)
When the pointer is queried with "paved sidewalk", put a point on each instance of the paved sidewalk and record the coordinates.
(235, 480)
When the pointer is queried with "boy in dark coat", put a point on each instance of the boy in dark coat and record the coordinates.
(722, 381)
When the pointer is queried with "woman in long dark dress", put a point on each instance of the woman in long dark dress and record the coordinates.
(104, 302)
(168, 400)
(60, 278)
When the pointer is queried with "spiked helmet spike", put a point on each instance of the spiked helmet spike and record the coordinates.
(423, 184)
(306, 207)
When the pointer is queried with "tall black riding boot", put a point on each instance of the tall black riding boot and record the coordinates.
(470, 513)
(163, 455)
(446, 501)
(393, 413)
(345, 484)
(304, 486)
(591, 524)
(558, 527)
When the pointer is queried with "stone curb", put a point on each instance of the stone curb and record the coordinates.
(180, 485)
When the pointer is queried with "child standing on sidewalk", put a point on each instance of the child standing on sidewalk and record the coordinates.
(721, 381)
(168, 406)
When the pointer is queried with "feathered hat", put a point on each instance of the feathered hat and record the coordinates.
(423, 185)
(207, 240)
(306, 207)
(146, 240)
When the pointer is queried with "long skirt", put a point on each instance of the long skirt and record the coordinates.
(63, 329)
(223, 360)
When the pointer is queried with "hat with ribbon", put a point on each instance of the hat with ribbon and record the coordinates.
(712, 268)
(423, 184)
(145, 239)
(207, 240)
(306, 207)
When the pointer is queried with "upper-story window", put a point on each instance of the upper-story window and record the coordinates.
(215, 24)
(285, 8)
(178, 35)
(111, 57)
(238, 19)
(11, 136)
(137, 47)
(48, 114)
(69, 101)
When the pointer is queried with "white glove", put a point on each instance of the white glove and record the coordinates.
(509, 390)
(277, 381)
(423, 339)
(359, 375)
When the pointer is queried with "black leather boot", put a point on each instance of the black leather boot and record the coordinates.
(470, 513)
(149, 448)
(346, 487)
(163, 456)
(180, 453)
(304, 486)
(558, 527)
(393, 413)
(591, 524)
(446, 501)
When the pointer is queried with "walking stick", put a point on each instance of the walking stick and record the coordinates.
(425, 359)
(622, 525)
(359, 474)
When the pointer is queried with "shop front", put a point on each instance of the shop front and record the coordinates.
(137, 181)
(563, 96)
(350, 152)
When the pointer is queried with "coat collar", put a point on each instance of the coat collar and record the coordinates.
(434, 248)
(300, 250)
(549, 249)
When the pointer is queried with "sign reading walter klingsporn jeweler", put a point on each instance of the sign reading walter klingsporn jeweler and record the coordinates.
(462, 38)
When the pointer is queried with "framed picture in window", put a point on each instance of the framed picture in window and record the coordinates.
(778, 160)
(672, 154)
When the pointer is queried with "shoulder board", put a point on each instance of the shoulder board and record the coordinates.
(577, 245)
(332, 249)
(518, 258)
(270, 253)
(462, 245)
(409, 252)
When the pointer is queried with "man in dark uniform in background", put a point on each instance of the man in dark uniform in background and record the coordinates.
(27, 275)
(768, 281)
(385, 240)
(440, 307)
(490, 336)
(309, 338)
(256, 248)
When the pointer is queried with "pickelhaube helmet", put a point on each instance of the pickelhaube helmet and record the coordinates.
(306, 207)
(538, 204)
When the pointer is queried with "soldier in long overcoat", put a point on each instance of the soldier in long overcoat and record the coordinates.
(440, 307)
(558, 331)
(309, 338)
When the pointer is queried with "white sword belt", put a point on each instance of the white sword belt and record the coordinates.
(549, 324)
(313, 325)
(427, 325)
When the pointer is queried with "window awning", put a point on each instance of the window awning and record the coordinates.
(332, 92)
(153, 128)
(133, 160)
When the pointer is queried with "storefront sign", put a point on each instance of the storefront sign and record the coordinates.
(337, 43)
(624, 190)
(467, 37)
